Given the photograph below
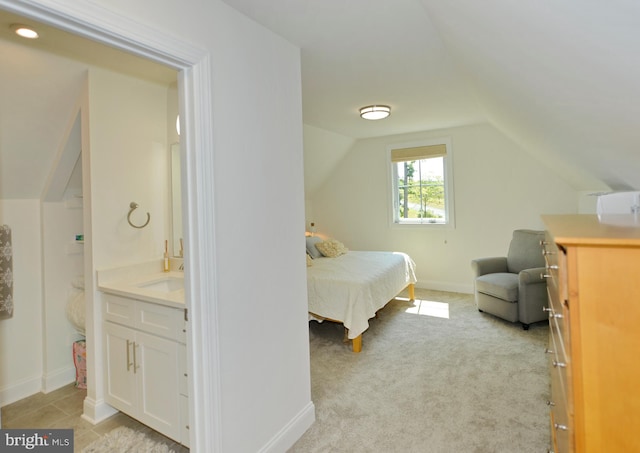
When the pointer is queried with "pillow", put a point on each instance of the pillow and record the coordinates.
(332, 248)
(309, 260)
(311, 246)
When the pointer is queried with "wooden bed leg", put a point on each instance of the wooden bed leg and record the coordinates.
(357, 343)
(412, 291)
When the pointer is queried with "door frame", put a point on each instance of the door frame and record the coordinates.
(97, 23)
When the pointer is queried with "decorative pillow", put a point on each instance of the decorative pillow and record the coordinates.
(332, 248)
(309, 260)
(311, 246)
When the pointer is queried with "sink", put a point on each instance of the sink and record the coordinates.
(164, 284)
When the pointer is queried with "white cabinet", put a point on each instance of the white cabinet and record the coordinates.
(145, 363)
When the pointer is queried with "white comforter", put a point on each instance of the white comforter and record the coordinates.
(353, 287)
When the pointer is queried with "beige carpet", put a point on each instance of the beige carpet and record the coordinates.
(447, 380)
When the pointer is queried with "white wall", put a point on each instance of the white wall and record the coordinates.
(21, 336)
(260, 274)
(129, 162)
(259, 200)
(498, 188)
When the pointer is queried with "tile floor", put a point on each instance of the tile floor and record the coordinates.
(61, 409)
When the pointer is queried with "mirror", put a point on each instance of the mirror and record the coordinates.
(176, 201)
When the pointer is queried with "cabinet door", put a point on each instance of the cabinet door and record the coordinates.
(156, 372)
(119, 378)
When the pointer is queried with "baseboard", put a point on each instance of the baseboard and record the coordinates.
(58, 379)
(293, 431)
(445, 286)
(94, 411)
(20, 390)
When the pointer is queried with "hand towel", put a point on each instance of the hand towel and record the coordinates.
(6, 273)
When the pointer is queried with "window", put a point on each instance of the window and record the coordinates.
(422, 183)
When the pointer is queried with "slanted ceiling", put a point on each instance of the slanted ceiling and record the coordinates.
(40, 85)
(560, 78)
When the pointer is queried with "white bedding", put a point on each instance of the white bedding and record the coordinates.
(351, 288)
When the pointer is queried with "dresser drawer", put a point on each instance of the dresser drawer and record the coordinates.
(558, 403)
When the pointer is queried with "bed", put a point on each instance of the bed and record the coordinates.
(352, 287)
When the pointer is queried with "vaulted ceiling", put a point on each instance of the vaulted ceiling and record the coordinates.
(562, 78)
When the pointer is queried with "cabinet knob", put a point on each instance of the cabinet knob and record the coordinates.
(550, 403)
(543, 276)
(551, 266)
(547, 309)
(548, 351)
(557, 364)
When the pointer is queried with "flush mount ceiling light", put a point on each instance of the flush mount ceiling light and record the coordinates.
(375, 112)
(25, 31)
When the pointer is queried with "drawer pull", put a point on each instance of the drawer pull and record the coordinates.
(129, 363)
(551, 267)
(543, 276)
(560, 427)
(135, 362)
(547, 309)
(558, 315)
(559, 364)
(543, 242)
(548, 252)
(550, 403)
(548, 351)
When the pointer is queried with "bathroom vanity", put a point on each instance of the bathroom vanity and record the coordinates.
(145, 355)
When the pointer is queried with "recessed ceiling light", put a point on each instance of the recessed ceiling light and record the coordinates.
(375, 112)
(25, 31)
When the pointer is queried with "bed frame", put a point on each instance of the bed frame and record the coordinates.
(356, 343)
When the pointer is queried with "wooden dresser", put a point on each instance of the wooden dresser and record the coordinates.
(593, 278)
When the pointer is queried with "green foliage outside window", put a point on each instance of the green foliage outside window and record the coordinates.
(421, 195)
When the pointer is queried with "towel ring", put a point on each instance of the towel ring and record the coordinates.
(133, 205)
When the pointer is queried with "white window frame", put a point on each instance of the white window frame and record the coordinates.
(395, 220)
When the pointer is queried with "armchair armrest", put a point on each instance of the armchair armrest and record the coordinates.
(482, 266)
(533, 275)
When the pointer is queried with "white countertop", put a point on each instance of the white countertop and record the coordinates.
(126, 281)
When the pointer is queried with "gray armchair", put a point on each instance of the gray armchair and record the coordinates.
(512, 287)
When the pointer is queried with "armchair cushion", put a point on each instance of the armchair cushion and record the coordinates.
(482, 266)
(502, 285)
(525, 251)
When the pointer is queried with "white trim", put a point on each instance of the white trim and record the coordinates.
(445, 286)
(293, 431)
(22, 389)
(58, 378)
(96, 411)
(449, 185)
(92, 21)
